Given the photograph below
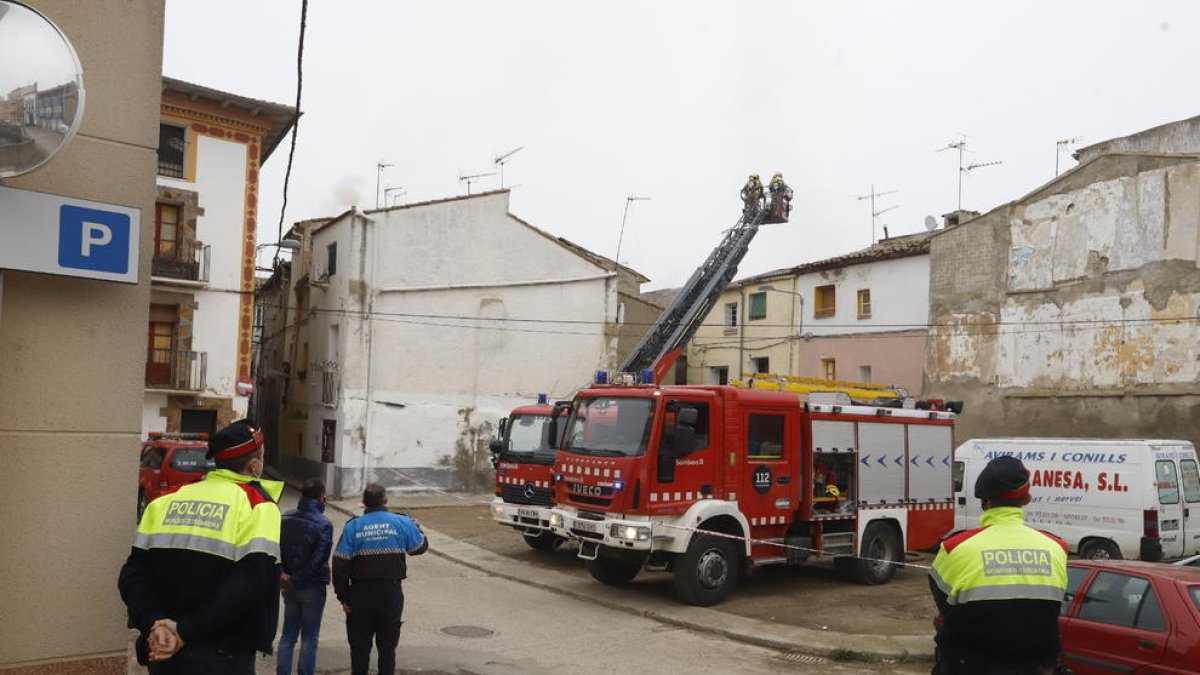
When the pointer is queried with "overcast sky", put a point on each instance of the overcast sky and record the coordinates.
(679, 101)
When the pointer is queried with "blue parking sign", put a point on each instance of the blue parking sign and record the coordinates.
(91, 239)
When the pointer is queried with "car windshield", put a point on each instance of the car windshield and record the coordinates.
(615, 427)
(192, 460)
(1194, 591)
(529, 433)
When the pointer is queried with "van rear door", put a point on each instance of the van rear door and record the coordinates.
(1168, 494)
(1189, 473)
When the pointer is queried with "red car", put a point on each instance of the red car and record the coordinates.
(1130, 617)
(169, 461)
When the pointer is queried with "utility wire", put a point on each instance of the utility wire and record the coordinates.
(287, 176)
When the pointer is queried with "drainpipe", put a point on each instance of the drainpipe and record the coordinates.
(741, 326)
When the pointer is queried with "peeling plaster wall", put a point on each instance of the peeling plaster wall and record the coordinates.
(1072, 311)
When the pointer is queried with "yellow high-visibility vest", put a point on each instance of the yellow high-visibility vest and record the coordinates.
(1004, 560)
(226, 514)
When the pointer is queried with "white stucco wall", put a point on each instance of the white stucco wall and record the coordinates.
(535, 321)
(899, 296)
(151, 419)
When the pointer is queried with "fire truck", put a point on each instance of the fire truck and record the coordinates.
(522, 454)
(712, 482)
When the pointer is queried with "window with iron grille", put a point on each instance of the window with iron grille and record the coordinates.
(328, 427)
(172, 148)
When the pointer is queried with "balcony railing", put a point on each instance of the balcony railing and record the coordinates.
(188, 262)
(176, 369)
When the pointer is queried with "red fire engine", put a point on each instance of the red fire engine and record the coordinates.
(523, 454)
(707, 482)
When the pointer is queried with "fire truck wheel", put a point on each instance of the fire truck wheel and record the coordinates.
(1099, 549)
(612, 571)
(880, 551)
(545, 541)
(707, 572)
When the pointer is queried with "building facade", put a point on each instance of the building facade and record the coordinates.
(397, 337)
(859, 317)
(71, 362)
(211, 145)
(1072, 310)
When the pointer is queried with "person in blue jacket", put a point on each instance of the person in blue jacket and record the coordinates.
(305, 540)
(369, 566)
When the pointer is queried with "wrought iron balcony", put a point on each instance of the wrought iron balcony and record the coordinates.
(189, 262)
(176, 369)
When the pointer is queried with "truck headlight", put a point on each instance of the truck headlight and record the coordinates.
(555, 520)
(497, 509)
(630, 532)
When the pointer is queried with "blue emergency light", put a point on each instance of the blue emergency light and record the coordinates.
(543, 399)
(647, 377)
(601, 377)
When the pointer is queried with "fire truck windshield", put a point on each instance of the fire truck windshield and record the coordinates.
(613, 427)
(528, 433)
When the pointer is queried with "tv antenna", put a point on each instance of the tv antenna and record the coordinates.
(628, 200)
(876, 213)
(1059, 146)
(502, 159)
(379, 167)
(961, 147)
(473, 178)
(398, 189)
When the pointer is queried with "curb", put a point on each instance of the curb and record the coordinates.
(742, 629)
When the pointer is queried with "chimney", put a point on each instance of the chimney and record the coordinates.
(959, 216)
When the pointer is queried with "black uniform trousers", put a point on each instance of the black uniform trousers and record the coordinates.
(376, 607)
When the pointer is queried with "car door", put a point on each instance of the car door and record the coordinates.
(772, 455)
(1117, 626)
(1170, 507)
(1190, 534)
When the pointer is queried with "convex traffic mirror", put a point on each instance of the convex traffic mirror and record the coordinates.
(41, 89)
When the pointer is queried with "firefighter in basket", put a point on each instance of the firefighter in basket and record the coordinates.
(752, 193)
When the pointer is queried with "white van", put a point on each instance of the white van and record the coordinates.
(1107, 498)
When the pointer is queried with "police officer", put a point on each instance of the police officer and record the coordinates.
(201, 582)
(368, 568)
(999, 588)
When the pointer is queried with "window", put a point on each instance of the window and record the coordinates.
(1168, 482)
(328, 427)
(864, 303)
(1075, 577)
(826, 301)
(731, 315)
(764, 437)
(331, 266)
(192, 460)
(758, 306)
(667, 439)
(172, 146)
(760, 364)
(718, 375)
(829, 369)
(960, 469)
(1122, 600)
(166, 230)
(864, 374)
(1191, 481)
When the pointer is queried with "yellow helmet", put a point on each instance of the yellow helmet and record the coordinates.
(753, 176)
(833, 491)
(779, 175)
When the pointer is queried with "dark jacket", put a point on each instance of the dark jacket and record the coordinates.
(305, 541)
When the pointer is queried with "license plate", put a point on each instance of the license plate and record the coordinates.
(528, 513)
(585, 526)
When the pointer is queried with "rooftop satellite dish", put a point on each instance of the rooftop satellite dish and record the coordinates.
(930, 223)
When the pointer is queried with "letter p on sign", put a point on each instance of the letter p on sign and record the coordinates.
(91, 239)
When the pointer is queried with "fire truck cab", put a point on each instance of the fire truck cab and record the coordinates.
(710, 482)
(522, 455)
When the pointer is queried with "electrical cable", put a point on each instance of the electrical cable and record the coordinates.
(287, 176)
